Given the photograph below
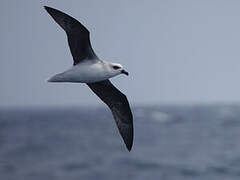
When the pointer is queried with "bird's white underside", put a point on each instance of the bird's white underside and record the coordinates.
(86, 72)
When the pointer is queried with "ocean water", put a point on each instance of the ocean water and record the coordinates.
(73, 143)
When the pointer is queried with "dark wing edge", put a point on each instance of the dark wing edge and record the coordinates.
(119, 106)
(77, 34)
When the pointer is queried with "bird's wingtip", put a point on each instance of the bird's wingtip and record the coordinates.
(129, 148)
(128, 140)
(49, 9)
(46, 7)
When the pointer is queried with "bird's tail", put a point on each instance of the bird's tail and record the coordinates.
(57, 78)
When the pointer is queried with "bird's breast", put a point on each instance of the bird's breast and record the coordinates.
(85, 73)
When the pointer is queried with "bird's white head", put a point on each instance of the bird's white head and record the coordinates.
(116, 69)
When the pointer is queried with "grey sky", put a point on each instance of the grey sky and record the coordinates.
(176, 51)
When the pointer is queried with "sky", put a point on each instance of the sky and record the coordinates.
(175, 51)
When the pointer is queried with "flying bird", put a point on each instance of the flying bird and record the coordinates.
(88, 68)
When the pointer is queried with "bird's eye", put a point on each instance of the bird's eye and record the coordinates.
(116, 67)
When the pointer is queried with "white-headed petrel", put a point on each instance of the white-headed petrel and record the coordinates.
(88, 68)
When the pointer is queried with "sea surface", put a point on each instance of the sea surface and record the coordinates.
(75, 143)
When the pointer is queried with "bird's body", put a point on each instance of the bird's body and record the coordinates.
(88, 68)
(84, 72)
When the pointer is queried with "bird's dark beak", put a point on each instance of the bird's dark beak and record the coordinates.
(125, 72)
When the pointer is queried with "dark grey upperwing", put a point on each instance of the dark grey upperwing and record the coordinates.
(119, 106)
(77, 34)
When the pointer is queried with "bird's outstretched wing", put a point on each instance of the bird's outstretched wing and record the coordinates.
(119, 106)
(77, 34)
